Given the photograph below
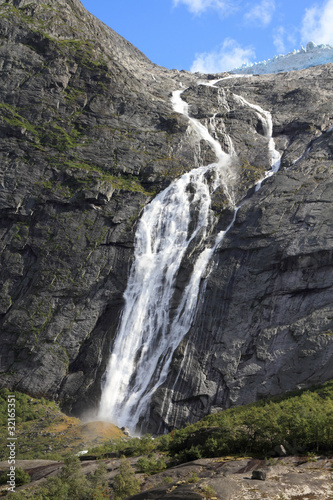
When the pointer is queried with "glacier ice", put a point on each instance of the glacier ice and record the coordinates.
(311, 55)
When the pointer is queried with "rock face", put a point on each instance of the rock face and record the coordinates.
(88, 136)
(265, 325)
(86, 141)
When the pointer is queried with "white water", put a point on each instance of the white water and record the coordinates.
(212, 83)
(151, 326)
(267, 123)
(145, 341)
(223, 159)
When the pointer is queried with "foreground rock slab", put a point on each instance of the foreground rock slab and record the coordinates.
(289, 478)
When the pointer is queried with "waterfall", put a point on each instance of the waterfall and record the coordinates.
(152, 326)
(150, 330)
(167, 409)
(266, 120)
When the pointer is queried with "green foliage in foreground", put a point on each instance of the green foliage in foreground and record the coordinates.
(303, 423)
(23, 411)
(151, 465)
(21, 477)
(32, 417)
(133, 447)
(125, 483)
(71, 484)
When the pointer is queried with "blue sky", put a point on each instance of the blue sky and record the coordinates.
(216, 35)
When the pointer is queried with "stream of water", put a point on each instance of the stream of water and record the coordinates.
(152, 325)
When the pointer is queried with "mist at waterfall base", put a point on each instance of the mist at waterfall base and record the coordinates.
(152, 325)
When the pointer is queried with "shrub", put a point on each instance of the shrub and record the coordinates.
(71, 484)
(167, 480)
(194, 478)
(207, 491)
(21, 477)
(151, 465)
(125, 483)
(302, 422)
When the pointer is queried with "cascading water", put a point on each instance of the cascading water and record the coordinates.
(266, 119)
(151, 326)
(149, 331)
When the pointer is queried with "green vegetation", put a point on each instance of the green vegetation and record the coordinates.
(24, 412)
(125, 483)
(73, 182)
(62, 136)
(207, 491)
(71, 484)
(11, 116)
(21, 477)
(60, 139)
(151, 465)
(193, 478)
(132, 447)
(126, 182)
(47, 135)
(43, 431)
(72, 94)
(168, 480)
(302, 422)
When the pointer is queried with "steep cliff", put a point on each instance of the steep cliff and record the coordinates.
(88, 136)
(86, 141)
(264, 325)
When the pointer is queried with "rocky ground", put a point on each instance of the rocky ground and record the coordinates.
(226, 478)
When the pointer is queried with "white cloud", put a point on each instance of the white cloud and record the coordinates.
(230, 56)
(284, 40)
(261, 13)
(199, 6)
(278, 40)
(317, 24)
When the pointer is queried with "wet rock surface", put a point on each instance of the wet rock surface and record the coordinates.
(88, 136)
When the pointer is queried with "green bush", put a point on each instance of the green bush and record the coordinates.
(194, 478)
(21, 477)
(151, 465)
(193, 453)
(125, 483)
(207, 491)
(167, 480)
(71, 484)
(132, 447)
(302, 422)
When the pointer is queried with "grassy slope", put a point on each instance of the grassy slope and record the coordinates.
(43, 431)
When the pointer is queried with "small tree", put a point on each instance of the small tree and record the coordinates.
(125, 483)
